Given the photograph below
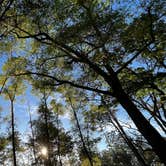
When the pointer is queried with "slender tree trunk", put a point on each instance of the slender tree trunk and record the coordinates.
(58, 138)
(147, 130)
(33, 136)
(128, 141)
(13, 134)
(81, 136)
(162, 126)
(88, 143)
(48, 160)
(155, 115)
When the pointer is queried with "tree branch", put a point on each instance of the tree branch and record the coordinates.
(6, 9)
(76, 55)
(3, 85)
(133, 58)
(60, 82)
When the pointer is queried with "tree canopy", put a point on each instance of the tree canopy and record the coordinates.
(100, 55)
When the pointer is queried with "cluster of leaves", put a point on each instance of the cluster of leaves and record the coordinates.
(91, 45)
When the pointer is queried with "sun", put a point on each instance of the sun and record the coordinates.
(44, 151)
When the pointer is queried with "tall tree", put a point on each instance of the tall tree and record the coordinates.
(11, 88)
(84, 146)
(50, 135)
(32, 134)
(105, 41)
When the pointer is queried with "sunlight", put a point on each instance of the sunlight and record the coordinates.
(44, 151)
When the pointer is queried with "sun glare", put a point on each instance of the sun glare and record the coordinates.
(44, 151)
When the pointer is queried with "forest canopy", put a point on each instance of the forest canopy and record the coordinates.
(101, 63)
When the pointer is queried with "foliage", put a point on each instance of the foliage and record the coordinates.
(96, 162)
(99, 53)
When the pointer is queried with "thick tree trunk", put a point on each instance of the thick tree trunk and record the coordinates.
(147, 130)
(13, 135)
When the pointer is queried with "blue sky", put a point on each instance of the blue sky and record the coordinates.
(22, 117)
(21, 107)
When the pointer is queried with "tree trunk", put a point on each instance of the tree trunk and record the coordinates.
(147, 130)
(48, 160)
(58, 138)
(13, 134)
(81, 136)
(128, 141)
(33, 136)
(161, 125)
